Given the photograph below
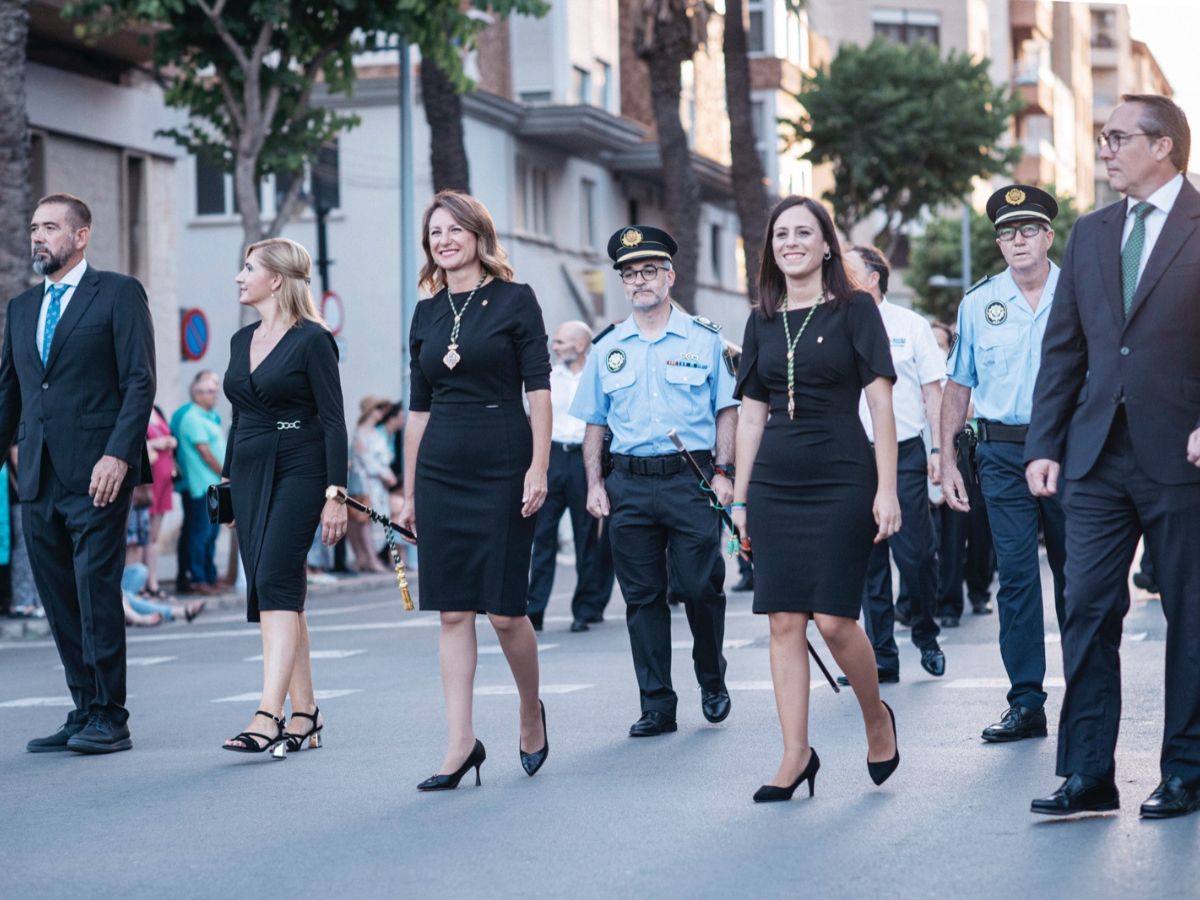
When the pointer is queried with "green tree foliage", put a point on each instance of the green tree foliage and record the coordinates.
(904, 128)
(245, 71)
(939, 252)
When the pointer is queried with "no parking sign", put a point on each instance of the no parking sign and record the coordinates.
(333, 312)
(193, 334)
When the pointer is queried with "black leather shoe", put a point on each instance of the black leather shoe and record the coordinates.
(886, 676)
(580, 625)
(594, 620)
(536, 620)
(949, 622)
(1016, 724)
(745, 583)
(933, 661)
(652, 724)
(981, 606)
(54, 743)
(1079, 794)
(715, 705)
(1171, 798)
(100, 736)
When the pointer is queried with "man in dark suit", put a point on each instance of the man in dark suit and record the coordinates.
(1116, 418)
(76, 390)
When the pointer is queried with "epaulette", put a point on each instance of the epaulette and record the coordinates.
(980, 283)
(603, 332)
(707, 323)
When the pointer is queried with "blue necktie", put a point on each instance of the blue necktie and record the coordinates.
(53, 313)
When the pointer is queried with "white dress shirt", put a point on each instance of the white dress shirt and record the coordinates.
(1162, 200)
(72, 279)
(918, 362)
(566, 429)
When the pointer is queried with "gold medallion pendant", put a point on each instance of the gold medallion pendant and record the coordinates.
(451, 359)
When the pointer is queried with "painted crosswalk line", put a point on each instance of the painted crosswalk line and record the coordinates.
(27, 702)
(494, 649)
(254, 696)
(730, 644)
(504, 690)
(318, 654)
(766, 685)
(998, 683)
(139, 661)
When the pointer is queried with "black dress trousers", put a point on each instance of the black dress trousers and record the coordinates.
(663, 528)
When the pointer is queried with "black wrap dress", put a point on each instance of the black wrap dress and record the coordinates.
(809, 503)
(287, 444)
(474, 544)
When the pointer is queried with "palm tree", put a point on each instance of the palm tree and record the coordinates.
(14, 152)
(749, 180)
(443, 112)
(666, 34)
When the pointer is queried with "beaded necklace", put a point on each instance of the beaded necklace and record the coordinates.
(791, 348)
(452, 358)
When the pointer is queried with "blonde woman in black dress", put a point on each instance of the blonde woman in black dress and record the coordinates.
(286, 458)
(811, 491)
(475, 465)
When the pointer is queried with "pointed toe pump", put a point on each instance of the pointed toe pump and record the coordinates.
(881, 771)
(770, 793)
(531, 762)
(449, 782)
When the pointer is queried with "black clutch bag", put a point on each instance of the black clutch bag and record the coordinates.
(219, 501)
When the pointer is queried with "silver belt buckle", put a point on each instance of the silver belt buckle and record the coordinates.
(287, 426)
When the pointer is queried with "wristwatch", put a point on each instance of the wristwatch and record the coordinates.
(935, 450)
(333, 493)
(726, 469)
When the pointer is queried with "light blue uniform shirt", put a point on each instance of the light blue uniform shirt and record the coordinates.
(644, 388)
(999, 347)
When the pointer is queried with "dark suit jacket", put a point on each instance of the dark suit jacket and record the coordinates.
(1092, 356)
(94, 395)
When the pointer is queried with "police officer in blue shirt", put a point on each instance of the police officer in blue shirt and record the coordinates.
(661, 370)
(1001, 322)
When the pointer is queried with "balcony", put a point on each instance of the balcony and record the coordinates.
(1104, 57)
(1035, 85)
(1031, 19)
(1038, 163)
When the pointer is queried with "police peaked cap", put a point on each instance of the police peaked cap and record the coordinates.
(636, 242)
(1021, 203)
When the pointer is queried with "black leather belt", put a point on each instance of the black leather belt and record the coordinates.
(998, 432)
(565, 447)
(670, 464)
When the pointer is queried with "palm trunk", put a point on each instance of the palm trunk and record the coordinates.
(15, 198)
(749, 181)
(443, 112)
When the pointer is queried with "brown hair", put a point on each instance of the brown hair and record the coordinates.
(77, 210)
(472, 215)
(1162, 117)
(291, 262)
(875, 262)
(835, 280)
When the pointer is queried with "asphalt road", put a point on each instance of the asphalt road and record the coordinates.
(606, 816)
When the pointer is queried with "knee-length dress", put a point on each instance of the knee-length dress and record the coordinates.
(477, 446)
(808, 508)
(287, 444)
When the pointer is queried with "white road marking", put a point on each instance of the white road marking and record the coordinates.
(504, 690)
(26, 702)
(139, 661)
(318, 654)
(730, 644)
(766, 685)
(493, 649)
(252, 696)
(999, 683)
(309, 613)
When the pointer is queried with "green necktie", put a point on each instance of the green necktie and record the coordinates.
(1131, 254)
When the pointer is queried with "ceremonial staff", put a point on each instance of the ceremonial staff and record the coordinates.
(389, 530)
(743, 545)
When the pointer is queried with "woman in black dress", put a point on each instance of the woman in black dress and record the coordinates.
(474, 468)
(285, 460)
(808, 486)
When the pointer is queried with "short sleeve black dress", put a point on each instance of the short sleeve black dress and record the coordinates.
(286, 445)
(814, 479)
(477, 446)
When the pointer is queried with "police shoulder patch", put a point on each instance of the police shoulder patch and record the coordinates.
(615, 360)
(600, 334)
(980, 283)
(707, 323)
(996, 312)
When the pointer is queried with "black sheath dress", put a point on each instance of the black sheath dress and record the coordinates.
(814, 478)
(287, 444)
(477, 447)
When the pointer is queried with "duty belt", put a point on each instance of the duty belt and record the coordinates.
(998, 432)
(670, 464)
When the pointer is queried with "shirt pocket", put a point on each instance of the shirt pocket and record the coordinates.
(691, 385)
(618, 386)
(997, 347)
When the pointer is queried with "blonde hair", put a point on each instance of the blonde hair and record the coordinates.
(291, 262)
(472, 215)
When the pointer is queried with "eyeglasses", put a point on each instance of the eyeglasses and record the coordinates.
(648, 273)
(1116, 139)
(1008, 233)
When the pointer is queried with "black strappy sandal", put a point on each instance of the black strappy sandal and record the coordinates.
(312, 737)
(278, 745)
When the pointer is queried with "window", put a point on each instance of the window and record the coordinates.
(758, 113)
(715, 247)
(210, 188)
(1104, 26)
(906, 26)
(535, 98)
(581, 85)
(588, 206)
(533, 183)
(324, 189)
(603, 85)
(687, 101)
(756, 30)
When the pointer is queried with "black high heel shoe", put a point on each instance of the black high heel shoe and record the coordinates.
(531, 762)
(250, 739)
(449, 782)
(770, 793)
(312, 737)
(881, 771)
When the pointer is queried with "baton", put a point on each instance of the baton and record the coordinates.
(389, 529)
(727, 519)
